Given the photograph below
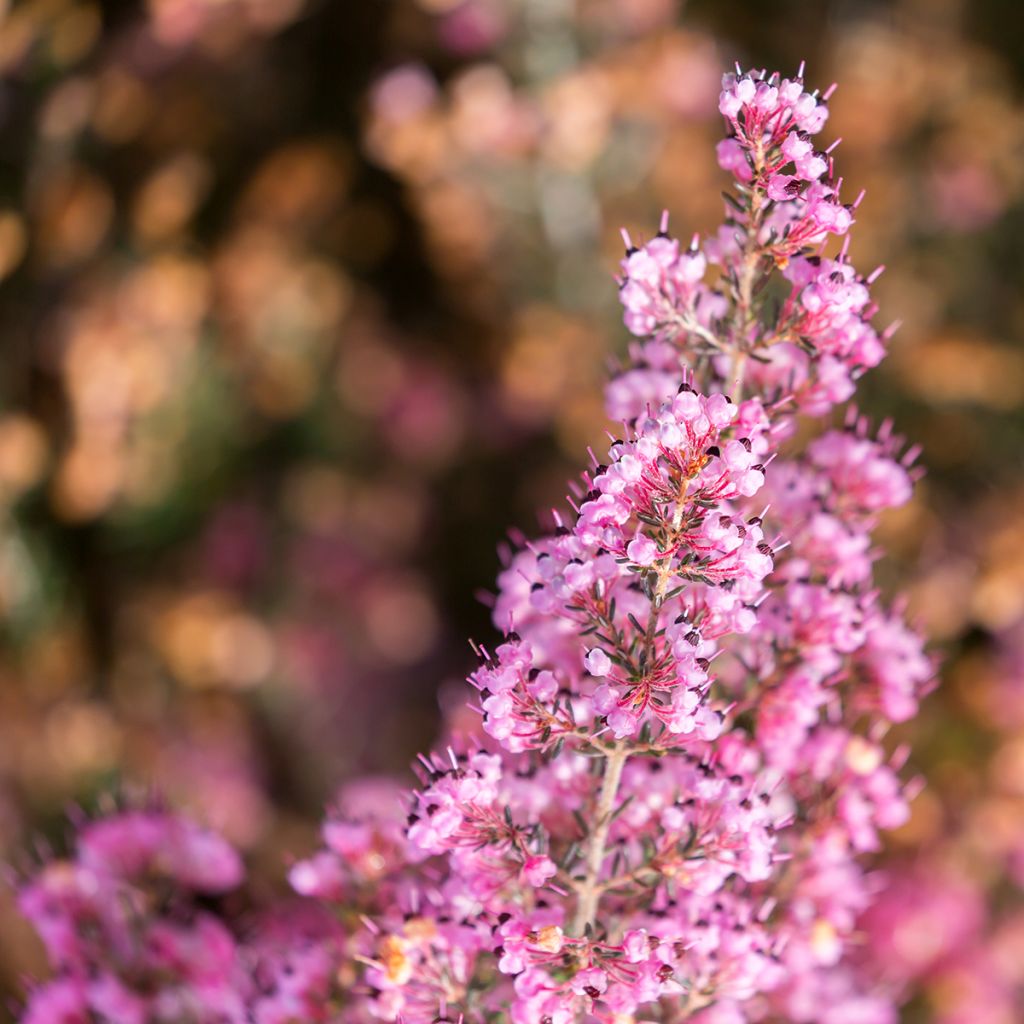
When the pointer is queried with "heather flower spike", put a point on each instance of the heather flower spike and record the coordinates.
(696, 658)
(681, 761)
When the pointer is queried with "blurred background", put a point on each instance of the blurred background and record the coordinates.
(304, 303)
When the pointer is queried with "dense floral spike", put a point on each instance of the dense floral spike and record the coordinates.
(680, 762)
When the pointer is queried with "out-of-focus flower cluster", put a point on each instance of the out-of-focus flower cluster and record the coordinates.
(132, 929)
(948, 923)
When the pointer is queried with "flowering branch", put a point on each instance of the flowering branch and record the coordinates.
(681, 762)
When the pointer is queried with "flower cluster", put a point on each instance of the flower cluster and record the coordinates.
(131, 927)
(786, 208)
(681, 759)
(772, 121)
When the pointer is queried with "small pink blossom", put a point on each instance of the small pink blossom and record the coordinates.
(538, 869)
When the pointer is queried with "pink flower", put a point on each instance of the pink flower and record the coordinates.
(598, 663)
(538, 869)
(642, 550)
(591, 981)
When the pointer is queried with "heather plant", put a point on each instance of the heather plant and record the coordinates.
(680, 766)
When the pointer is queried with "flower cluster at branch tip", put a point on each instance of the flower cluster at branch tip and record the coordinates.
(682, 755)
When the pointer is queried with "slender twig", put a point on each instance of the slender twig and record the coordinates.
(590, 892)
